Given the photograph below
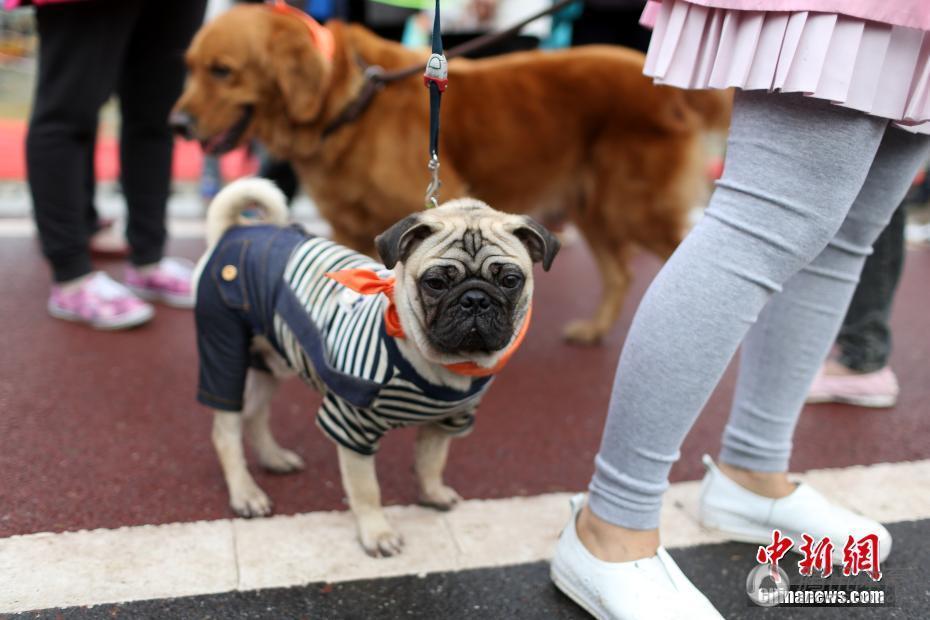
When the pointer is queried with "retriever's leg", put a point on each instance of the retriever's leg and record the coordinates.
(354, 225)
(670, 225)
(245, 497)
(612, 253)
(260, 387)
(430, 452)
(637, 196)
(361, 486)
(612, 256)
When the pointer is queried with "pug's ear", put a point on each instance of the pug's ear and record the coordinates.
(298, 69)
(396, 243)
(540, 243)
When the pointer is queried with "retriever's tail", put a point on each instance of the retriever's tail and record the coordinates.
(229, 207)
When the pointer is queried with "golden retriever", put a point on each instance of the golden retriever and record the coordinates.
(581, 131)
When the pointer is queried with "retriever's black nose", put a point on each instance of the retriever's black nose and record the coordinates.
(182, 124)
(475, 300)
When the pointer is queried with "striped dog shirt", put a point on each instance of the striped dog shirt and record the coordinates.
(268, 281)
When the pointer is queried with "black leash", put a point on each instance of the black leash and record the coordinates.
(436, 78)
(376, 78)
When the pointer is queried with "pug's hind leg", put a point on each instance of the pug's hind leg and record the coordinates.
(259, 390)
(361, 486)
(245, 497)
(430, 452)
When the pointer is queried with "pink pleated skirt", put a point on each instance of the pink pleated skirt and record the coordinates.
(875, 68)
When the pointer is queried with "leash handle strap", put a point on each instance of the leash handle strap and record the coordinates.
(436, 78)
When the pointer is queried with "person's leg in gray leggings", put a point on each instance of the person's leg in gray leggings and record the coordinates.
(794, 169)
(794, 333)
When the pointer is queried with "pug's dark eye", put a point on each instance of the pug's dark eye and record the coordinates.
(436, 284)
(220, 72)
(511, 281)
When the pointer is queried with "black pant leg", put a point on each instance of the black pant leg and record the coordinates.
(151, 81)
(80, 51)
(282, 174)
(91, 217)
(865, 337)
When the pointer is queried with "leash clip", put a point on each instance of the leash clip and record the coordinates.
(432, 192)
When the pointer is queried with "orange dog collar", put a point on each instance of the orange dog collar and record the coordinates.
(320, 34)
(367, 282)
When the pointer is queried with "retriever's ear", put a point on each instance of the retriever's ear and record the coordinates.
(540, 243)
(396, 243)
(298, 68)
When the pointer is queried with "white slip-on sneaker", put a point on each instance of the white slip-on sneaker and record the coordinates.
(648, 589)
(744, 516)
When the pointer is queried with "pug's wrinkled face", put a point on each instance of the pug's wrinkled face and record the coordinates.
(465, 277)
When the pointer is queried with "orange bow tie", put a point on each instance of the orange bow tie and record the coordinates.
(367, 282)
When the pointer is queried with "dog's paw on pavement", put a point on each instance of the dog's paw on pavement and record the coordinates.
(250, 502)
(281, 461)
(382, 543)
(583, 332)
(441, 498)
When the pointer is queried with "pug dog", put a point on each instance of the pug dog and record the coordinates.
(415, 340)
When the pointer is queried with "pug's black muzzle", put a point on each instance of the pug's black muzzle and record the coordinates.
(474, 317)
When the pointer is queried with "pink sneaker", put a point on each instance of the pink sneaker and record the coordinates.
(101, 302)
(169, 282)
(871, 389)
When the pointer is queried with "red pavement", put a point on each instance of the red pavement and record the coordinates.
(188, 159)
(101, 430)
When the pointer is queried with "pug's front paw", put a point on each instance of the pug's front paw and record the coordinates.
(440, 497)
(248, 501)
(380, 541)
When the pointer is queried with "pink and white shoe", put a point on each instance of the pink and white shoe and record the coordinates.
(168, 282)
(871, 389)
(101, 302)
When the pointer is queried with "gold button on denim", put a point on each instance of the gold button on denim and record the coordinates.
(229, 273)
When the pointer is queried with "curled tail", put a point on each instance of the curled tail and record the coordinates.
(227, 209)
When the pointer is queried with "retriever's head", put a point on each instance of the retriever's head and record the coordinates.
(248, 70)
